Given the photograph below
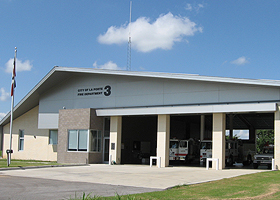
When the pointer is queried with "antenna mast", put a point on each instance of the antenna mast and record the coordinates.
(128, 64)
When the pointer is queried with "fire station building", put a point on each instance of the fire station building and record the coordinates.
(78, 115)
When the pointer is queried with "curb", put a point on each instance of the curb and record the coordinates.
(44, 166)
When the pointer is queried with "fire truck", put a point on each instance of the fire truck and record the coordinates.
(205, 151)
(246, 152)
(231, 152)
(183, 150)
(235, 152)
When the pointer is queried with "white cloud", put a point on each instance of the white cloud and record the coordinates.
(94, 64)
(200, 6)
(4, 95)
(189, 7)
(194, 7)
(224, 62)
(240, 61)
(109, 65)
(160, 34)
(2, 115)
(20, 65)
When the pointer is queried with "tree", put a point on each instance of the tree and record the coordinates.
(235, 137)
(264, 138)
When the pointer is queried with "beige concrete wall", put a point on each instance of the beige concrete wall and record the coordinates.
(36, 142)
(77, 119)
(277, 138)
(115, 138)
(219, 129)
(163, 137)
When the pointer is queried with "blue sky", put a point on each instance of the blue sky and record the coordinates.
(233, 38)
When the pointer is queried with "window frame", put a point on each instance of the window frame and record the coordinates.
(98, 143)
(51, 143)
(75, 140)
(21, 138)
(77, 149)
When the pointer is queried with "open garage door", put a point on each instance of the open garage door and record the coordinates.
(245, 130)
(241, 136)
(139, 139)
(185, 133)
(139, 136)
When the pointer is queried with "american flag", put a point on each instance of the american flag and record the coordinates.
(14, 75)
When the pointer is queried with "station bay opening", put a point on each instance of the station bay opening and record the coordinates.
(193, 134)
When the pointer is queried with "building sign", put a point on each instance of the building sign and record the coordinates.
(95, 91)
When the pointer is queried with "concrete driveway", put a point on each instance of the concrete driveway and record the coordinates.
(106, 180)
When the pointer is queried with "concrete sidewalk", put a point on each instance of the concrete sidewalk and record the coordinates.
(131, 175)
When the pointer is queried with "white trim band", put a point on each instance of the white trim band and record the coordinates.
(224, 108)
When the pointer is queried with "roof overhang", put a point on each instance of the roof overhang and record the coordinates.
(191, 109)
(179, 76)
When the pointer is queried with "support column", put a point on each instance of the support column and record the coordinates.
(219, 129)
(252, 134)
(202, 127)
(163, 137)
(115, 138)
(277, 137)
(230, 126)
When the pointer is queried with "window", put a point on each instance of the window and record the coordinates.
(21, 140)
(82, 143)
(184, 144)
(77, 140)
(95, 141)
(83, 140)
(206, 145)
(53, 137)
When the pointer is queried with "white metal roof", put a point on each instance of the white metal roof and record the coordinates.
(194, 77)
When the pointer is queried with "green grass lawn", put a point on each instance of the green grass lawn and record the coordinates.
(25, 163)
(265, 185)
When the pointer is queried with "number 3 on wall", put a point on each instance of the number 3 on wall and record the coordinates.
(107, 90)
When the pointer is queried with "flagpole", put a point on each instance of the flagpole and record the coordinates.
(10, 151)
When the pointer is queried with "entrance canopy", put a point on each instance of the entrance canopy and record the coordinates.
(192, 109)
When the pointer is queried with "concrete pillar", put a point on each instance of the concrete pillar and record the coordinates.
(277, 137)
(115, 138)
(202, 127)
(219, 129)
(252, 134)
(163, 136)
(230, 126)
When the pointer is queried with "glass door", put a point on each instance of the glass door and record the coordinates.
(106, 143)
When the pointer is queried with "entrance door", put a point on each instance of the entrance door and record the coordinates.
(106, 143)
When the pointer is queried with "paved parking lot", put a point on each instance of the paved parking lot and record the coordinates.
(14, 188)
(103, 180)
